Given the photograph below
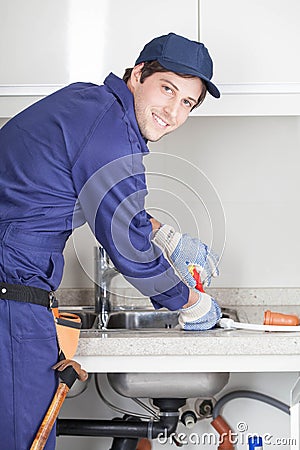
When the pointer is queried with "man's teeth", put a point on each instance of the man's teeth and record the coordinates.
(160, 121)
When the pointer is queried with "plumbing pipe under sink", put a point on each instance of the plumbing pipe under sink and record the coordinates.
(126, 427)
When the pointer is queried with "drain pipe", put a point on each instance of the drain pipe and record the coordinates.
(128, 426)
(221, 425)
(249, 394)
(225, 432)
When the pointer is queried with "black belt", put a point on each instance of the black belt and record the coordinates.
(28, 294)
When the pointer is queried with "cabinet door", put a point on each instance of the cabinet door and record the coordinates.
(58, 41)
(33, 42)
(255, 46)
(47, 44)
(108, 35)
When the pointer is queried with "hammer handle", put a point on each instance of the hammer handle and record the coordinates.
(50, 417)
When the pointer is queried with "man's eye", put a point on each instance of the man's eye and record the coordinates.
(167, 89)
(187, 103)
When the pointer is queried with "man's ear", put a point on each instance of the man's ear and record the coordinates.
(136, 74)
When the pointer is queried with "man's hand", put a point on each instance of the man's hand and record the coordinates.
(155, 224)
(203, 314)
(183, 251)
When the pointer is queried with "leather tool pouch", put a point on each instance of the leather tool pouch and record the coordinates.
(68, 327)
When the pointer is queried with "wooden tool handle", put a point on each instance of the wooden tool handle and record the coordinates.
(50, 417)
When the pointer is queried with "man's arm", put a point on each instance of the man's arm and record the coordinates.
(193, 295)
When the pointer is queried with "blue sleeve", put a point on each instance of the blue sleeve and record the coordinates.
(109, 178)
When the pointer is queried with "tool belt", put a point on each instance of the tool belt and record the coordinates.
(67, 324)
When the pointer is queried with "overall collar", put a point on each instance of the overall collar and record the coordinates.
(119, 88)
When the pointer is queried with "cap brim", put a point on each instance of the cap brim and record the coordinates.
(180, 68)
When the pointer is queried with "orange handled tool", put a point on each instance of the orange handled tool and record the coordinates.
(69, 372)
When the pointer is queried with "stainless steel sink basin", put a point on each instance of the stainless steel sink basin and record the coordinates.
(168, 385)
(162, 385)
(143, 319)
(161, 319)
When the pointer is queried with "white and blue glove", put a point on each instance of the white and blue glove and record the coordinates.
(202, 315)
(182, 251)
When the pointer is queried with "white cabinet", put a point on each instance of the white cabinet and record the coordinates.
(255, 46)
(33, 42)
(129, 25)
(45, 45)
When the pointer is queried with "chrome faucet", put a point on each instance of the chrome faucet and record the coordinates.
(104, 273)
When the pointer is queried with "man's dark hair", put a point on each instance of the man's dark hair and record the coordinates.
(151, 67)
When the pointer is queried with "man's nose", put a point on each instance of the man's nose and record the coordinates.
(172, 109)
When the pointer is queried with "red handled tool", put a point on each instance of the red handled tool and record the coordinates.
(196, 275)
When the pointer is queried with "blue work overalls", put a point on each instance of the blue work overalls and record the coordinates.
(28, 344)
(74, 156)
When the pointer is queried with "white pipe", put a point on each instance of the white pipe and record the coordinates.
(231, 324)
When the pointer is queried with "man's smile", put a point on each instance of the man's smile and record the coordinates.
(159, 120)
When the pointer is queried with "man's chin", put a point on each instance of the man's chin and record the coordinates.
(152, 138)
(155, 139)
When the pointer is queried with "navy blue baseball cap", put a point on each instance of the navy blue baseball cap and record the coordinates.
(181, 55)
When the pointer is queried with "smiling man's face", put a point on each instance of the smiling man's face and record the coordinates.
(163, 101)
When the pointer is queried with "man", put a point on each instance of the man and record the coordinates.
(73, 157)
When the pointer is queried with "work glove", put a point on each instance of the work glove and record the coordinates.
(183, 251)
(202, 315)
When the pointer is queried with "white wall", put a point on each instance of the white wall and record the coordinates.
(245, 166)
(253, 164)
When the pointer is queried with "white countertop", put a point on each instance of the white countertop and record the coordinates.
(215, 350)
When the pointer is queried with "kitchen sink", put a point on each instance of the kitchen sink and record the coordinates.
(138, 319)
(143, 319)
(161, 319)
(152, 384)
(162, 385)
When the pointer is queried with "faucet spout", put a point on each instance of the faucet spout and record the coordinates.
(104, 273)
